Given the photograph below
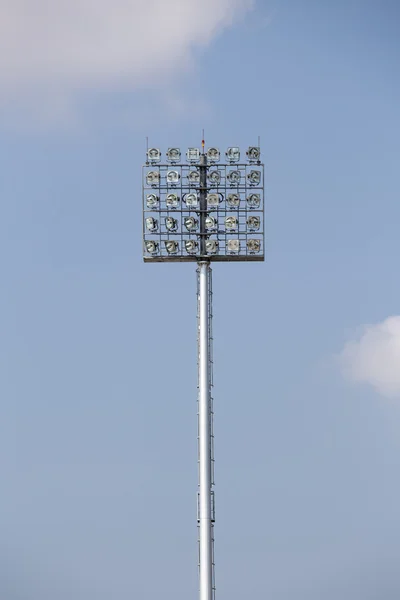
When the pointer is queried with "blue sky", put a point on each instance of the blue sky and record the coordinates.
(98, 351)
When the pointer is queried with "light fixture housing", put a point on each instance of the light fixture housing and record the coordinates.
(212, 246)
(233, 200)
(191, 246)
(171, 246)
(253, 200)
(253, 154)
(253, 245)
(191, 200)
(213, 155)
(153, 155)
(213, 200)
(233, 246)
(193, 155)
(234, 177)
(171, 224)
(172, 200)
(152, 201)
(214, 177)
(254, 177)
(253, 223)
(151, 224)
(152, 247)
(173, 177)
(211, 223)
(190, 223)
(153, 178)
(231, 222)
(173, 155)
(233, 154)
(194, 176)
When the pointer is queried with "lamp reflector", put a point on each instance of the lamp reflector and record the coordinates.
(233, 200)
(191, 246)
(191, 200)
(211, 246)
(233, 246)
(171, 247)
(211, 223)
(233, 154)
(213, 200)
(193, 154)
(253, 246)
(151, 247)
(234, 177)
(172, 200)
(254, 177)
(214, 177)
(153, 155)
(152, 201)
(253, 200)
(253, 223)
(153, 178)
(213, 154)
(253, 153)
(194, 176)
(231, 222)
(190, 223)
(173, 155)
(173, 177)
(151, 224)
(171, 224)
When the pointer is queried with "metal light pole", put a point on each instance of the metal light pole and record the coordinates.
(201, 212)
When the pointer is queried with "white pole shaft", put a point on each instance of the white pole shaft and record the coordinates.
(206, 559)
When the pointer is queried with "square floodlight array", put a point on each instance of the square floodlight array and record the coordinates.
(197, 208)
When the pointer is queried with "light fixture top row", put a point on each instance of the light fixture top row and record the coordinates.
(213, 155)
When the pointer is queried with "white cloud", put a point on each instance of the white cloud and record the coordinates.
(81, 44)
(374, 358)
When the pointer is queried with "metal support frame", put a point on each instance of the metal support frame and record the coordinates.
(206, 505)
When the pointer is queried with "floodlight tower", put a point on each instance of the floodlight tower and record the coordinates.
(202, 211)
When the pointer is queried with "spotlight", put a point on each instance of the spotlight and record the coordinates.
(152, 201)
(211, 223)
(231, 222)
(211, 246)
(253, 154)
(173, 155)
(253, 200)
(151, 224)
(194, 176)
(190, 223)
(153, 155)
(153, 178)
(173, 177)
(191, 200)
(213, 154)
(233, 200)
(172, 200)
(233, 246)
(191, 246)
(253, 246)
(234, 177)
(152, 247)
(213, 200)
(193, 155)
(233, 154)
(171, 224)
(171, 247)
(253, 223)
(214, 177)
(254, 177)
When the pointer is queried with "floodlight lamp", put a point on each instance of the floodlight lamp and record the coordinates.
(172, 201)
(152, 247)
(151, 224)
(190, 223)
(233, 154)
(191, 246)
(213, 200)
(153, 178)
(254, 177)
(253, 246)
(233, 246)
(211, 246)
(171, 224)
(171, 247)
(214, 177)
(153, 155)
(234, 177)
(253, 154)
(173, 177)
(194, 176)
(253, 223)
(193, 154)
(191, 200)
(152, 201)
(213, 154)
(231, 222)
(211, 223)
(253, 200)
(233, 200)
(173, 155)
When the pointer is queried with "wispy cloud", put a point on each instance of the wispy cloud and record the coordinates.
(374, 357)
(53, 49)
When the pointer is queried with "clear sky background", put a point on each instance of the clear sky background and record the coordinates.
(98, 351)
